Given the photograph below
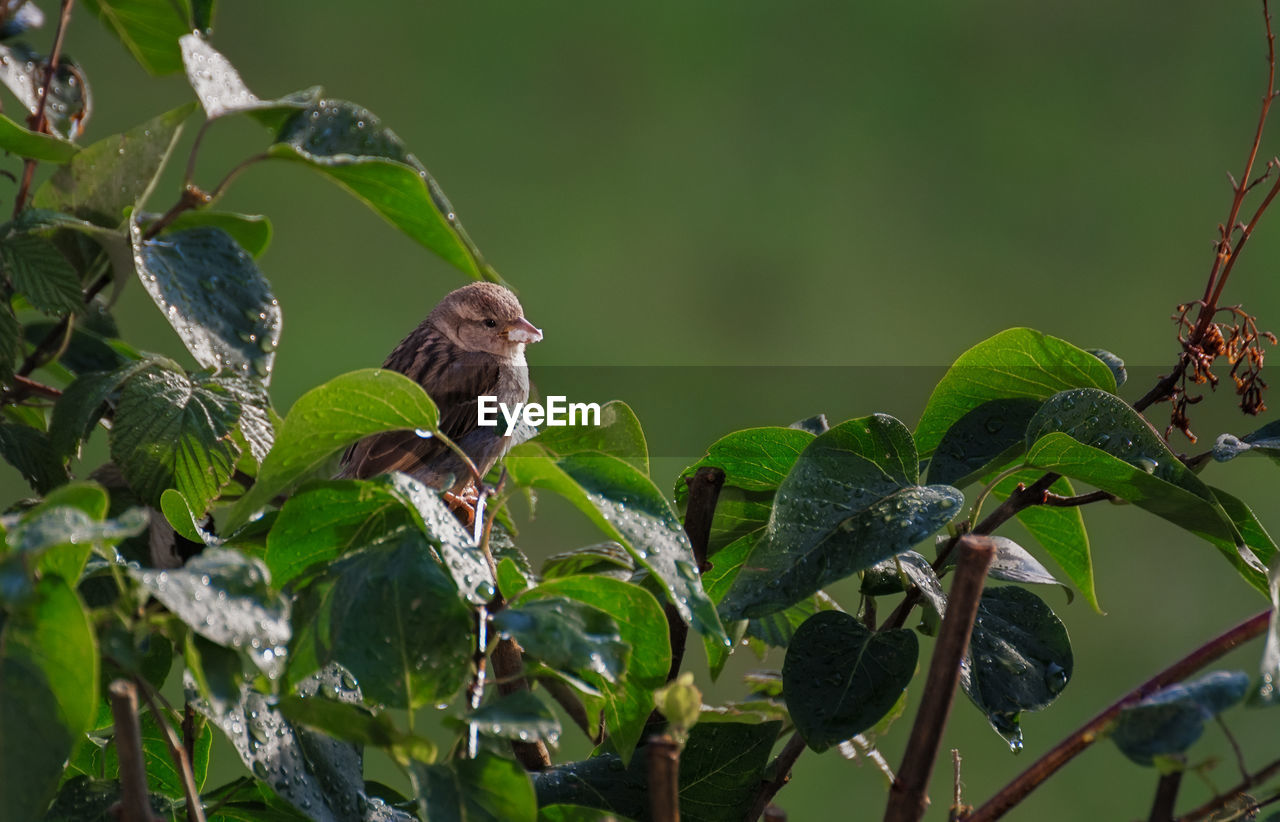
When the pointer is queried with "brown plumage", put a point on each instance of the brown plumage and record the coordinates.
(472, 343)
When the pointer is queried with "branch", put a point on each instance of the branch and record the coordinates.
(37, 121)
(664, 779)
(1208, 808)
(1166, 797)
(177, 752)
(1087, 734)
(508, 670)
(908, 797)
(781, 769)
(135, 805)
(704, 493)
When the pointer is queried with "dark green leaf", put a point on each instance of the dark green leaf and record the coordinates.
(903, 572)
(984, 439)
(171, 432)
(641, 625)
(348, 144)
(603, 558)
(1019, 659)
(850, 501)
(567, 636)
(1013, 563)
(252, 232)
(163, 776)
(839, 678)
(22, 71)
(1060, 530)
(577, 813)
(29, 451)
(326, 420)
(18, 140)
(113, 174)
(1113, 362)
(354, 722)
(1266, 440)
(1092, 436)
(1169, 721)
(82, 799)
(1015, 363)
(38, 270)
(49, 678)
(10, 341)
(214, 296)
(78, 410)
(520, 715)
(627, 507)
(392, 617)
(484, 789)
(225, 597)
(149, 29)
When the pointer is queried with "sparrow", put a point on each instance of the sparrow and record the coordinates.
(471, 344)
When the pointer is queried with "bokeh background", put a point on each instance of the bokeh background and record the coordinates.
(733, 214)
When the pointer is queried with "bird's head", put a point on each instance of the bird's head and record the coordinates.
(484, 317)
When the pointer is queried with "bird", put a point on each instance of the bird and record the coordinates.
(471, 344)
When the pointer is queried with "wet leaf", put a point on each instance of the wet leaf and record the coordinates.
(485, 789)
(1169, 721)
(252, 232)
(29, 451)
(226, 597)
(566, 636)
(353, 722)
(149, 29)
(839, 678)
(1012, 563)
(38, 271)
(1019, 659)
(618, 435)
(1113, 362)
(520, 715)
(23, 142)
(850, 501)
(220, 89)
(984, 439)
(22, 71)
(1017, 363)
(604, 558)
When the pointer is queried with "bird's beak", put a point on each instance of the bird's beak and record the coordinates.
(523, 331)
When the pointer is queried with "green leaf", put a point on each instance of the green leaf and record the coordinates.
(1169, 721)
(49, 678)
(35, 146)
(511, 580)
(983, 440)
(349, 144)
(252, 232)
(1095, 437)
(485, 789)
(1059, 530)
(226, 597)
(214, 296)
(78, 410)
(1266, 441)
(1015, 363)
(171, 432)
(10, 341)
(149, 29)
(1113, 362)
(628, 508)
(754, 461)
(840, 678)
(603, 558)
(62, 531)
(642, 625)
(850, 500)
(392, 617)
(220, 89)
(113, 174)
(82, 799)
(355, 723)
(519, 715)
(618, 435)
(1019, 659)
(163, 776)
(1013, 563)
(29, 451)
(326, 420)
(903, 572)
(567, 636)
(38, 271)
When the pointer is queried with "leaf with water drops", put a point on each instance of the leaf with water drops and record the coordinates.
(839, 678)
(850, 501)
(349, 144)
(149, 29)
(1113, 362)
(1019, 659)
(642, 625)
(566, 635)
(326, 420)
(485, 789)
(49, 678)
(252, 232)
(30, 144)
(1169, 721)
(1265, 441)
(29, 451)
(316, 774)
(113, 175)
(984, 439)
(1017, 363)
(1013, 563)
(628, 508)
(1096, 437)
(163, 776)
(603, 558)
(520, 715)
(226, 597)
(618, 435)
(908, 570)
(754, 461)
(59, 534)
(40, 272)
(212, 293)
(69, 103)
(391, 616)
(221, 91)
(84, 799)
(354, 722)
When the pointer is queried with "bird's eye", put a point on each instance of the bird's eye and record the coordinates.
(491, 323)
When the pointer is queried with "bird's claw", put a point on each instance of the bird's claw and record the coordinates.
(463, 503)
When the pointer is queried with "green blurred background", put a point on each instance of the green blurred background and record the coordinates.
(870, 188)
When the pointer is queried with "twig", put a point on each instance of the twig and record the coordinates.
(957, 788)
(908, 796)
(572, 705)
(781, 770)
(177, 751)
(664, 779)
(135, 805)
(1059, 501)
(704, 493)
(1219, 801)
(1235, 746)
(508, 668)
(1087, 734)
(1166, 797)
(37, 121)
